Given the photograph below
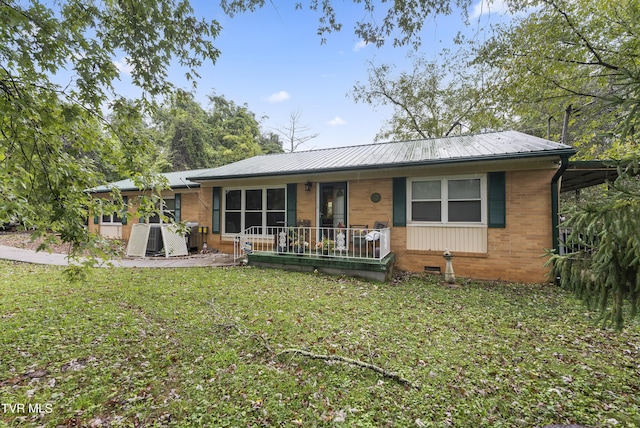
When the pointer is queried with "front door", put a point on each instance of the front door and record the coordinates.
(332, 205)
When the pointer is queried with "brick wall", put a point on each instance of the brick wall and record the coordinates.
(306, 209)
(514, 253)
(362, 210)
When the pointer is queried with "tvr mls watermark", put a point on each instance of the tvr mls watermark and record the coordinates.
(26, 408)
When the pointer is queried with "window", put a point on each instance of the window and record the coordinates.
(254, 207)
(169, 210)
(426, 203)
(465, 203)
(111, 218)
(114, 217)
(448, 200)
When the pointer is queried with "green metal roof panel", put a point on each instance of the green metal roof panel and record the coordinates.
(467, 148)
(176, 180)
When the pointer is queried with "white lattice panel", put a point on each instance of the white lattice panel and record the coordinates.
(137, 245)
(174, 243)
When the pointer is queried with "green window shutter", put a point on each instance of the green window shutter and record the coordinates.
(177, 207)
(215, 218)
(497, 199)
(400, 201)
(125, 203)
(292, 201)
(96, 219)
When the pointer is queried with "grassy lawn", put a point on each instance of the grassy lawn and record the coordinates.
(198, 347)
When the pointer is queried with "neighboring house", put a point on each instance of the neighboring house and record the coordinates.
(491, 199)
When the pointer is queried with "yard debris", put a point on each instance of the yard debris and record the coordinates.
(385, 373)
(232, 323)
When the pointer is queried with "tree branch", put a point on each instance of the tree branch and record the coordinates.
(243, 330)
(385, 373)
(580, 35)
(385, 94)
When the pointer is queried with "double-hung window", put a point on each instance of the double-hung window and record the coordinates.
(168, 209)
(112, 218)
(261, 208)
(448, 200)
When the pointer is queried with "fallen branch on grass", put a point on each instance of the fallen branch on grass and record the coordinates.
(243, 330)
(385, 373)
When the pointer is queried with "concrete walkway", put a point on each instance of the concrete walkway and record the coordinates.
(45, 258)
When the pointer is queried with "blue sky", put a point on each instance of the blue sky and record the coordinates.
(273, 61)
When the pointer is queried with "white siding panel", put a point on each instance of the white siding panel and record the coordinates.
(458, 238)
(111, 231)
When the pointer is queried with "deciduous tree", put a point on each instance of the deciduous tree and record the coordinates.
(186, 133)
(294, 133)
(399, 20)
(582, 57)
(433, 100)
(236, 131)
(581, 54)
(57, 74)
(270, 143)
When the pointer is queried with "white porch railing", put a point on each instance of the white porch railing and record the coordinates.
(571, 244)
(343, 242)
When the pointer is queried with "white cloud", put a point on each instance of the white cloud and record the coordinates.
(484, 7)
(360, 45)
(277, 97)
(123, 66)
(338, 121)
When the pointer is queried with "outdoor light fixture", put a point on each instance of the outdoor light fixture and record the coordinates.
(307, 186)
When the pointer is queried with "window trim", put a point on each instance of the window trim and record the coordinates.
(115, 218)
(444, 198)
(111, 217)
(243, 211)
(166, 212)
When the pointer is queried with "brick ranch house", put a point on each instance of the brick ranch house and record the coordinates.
(491, 199)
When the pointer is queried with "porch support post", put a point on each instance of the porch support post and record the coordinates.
(555, 193)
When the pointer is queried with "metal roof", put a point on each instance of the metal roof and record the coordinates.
(581, 174)
(176, 180)
(466, 148)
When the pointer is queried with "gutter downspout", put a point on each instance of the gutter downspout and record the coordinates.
(555, 191)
